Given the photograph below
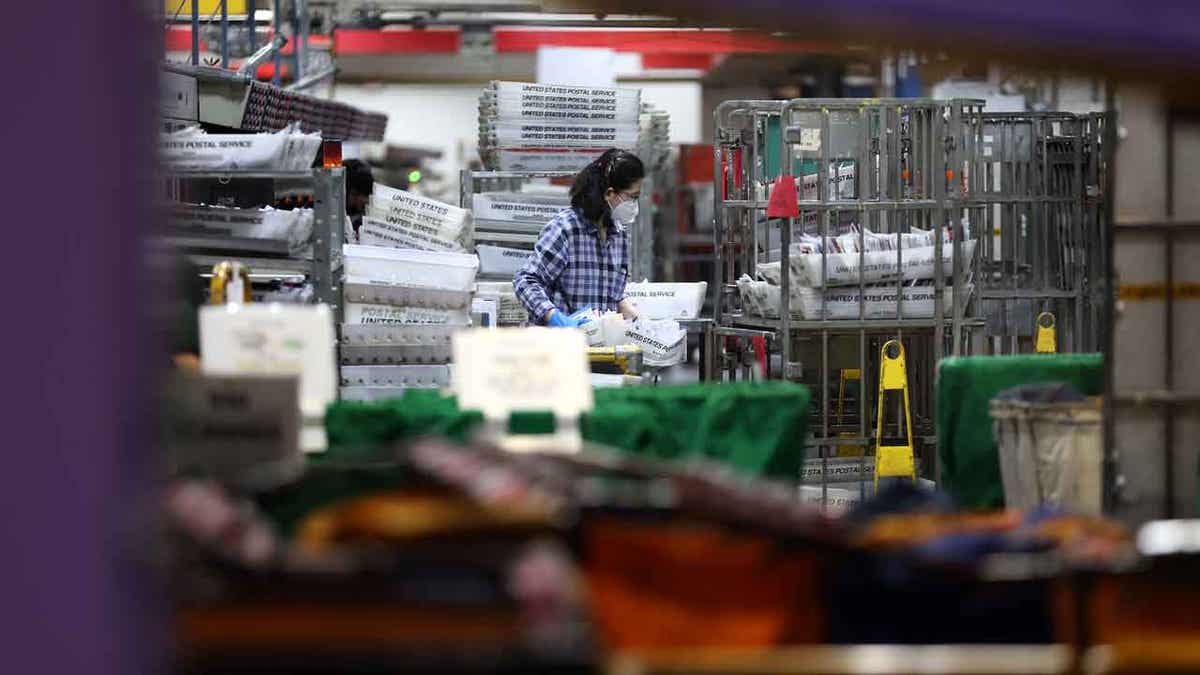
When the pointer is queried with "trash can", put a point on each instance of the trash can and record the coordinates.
(1050, 446)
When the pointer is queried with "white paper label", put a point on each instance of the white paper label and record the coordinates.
(235, 293)
(522, 369)
(810, 140)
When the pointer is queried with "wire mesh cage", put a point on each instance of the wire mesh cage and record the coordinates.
(1036, 181)
(917, 219)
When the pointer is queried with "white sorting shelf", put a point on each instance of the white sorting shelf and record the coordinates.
(375, 344)
(372, 393)
(367, 291)
(508, 226)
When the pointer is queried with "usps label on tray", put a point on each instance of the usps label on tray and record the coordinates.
(437, 230)
(364, 314)
(378, 233)
(540, 159)
(415, 206)
(497, 260)
(516, 208)
(668, 300)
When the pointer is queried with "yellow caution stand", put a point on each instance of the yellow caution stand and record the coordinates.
(1047, 337)
(844, 376)
(230, 284)
(893, 461)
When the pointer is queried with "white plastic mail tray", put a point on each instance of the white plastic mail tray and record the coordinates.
(401, 267)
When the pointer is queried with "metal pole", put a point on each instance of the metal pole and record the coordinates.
(301, 37)
(1107, 153)
(224, 33)
(195, 32)
(251, 38)
(277, 25)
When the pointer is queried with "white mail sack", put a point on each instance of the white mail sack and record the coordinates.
(842, 269)
(663, 343)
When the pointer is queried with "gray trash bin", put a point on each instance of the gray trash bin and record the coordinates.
(1051, 449)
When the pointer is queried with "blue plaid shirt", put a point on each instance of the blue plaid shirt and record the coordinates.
(571, 268)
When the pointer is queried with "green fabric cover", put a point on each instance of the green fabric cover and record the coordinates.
(970, 465)
(356, 428)
(756, 428)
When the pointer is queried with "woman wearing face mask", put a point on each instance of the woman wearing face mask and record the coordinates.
(581, 258)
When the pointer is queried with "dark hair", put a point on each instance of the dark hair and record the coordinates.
(358, 177)
(616, 169)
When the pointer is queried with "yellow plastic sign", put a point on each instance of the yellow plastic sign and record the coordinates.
(1047, 338)
(207, 7)
(893, 461)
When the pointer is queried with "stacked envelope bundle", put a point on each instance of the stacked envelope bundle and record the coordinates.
(654, 142)
(541, 127)
(400, 219)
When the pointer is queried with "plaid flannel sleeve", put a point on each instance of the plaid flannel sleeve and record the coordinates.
(540, 273)
(622, 292)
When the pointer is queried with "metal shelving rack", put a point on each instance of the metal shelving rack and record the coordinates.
(914, 152)
(520, 235)
(1037, 188)
(329, 194)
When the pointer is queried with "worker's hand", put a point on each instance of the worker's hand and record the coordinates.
(583, 316)
(559, 320)
(628, 309)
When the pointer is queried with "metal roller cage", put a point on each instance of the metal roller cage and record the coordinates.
(894, 171)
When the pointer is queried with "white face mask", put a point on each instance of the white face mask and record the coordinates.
(625, 213)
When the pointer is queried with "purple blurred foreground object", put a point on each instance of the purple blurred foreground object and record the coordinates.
(78, 123)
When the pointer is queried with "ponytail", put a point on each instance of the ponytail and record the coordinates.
(616, 169)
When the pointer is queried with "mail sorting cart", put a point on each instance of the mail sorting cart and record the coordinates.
(883, 249)
(1040, 253)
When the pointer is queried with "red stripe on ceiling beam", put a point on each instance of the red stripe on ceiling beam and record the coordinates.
(676, 61)
(179, 39)
(652, 41)
(320, 41)
(407, 41)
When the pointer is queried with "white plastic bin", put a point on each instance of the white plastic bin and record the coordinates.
(668, 300)
(424, 269)
(500, 260)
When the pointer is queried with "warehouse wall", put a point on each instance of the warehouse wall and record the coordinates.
(442, 117)
(1141, 360)
(682, 99)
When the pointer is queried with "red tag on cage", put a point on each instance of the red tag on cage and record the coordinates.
(783, 202)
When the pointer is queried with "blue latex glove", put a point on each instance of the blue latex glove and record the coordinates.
(559, 320)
